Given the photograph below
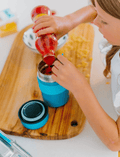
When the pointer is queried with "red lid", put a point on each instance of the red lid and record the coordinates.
(42, 9)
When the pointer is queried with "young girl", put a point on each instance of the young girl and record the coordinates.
(106, 15)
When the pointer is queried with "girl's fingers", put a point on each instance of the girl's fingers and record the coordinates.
(44, 31)
(62, 59)
(40, 26)
(57, 64)
(42, 19)
(55, 71)
(54, 77)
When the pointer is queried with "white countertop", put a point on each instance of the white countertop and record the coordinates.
(86, 143)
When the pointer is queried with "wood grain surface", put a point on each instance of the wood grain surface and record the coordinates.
(18, 84)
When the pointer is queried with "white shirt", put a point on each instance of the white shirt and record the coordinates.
(115, 73)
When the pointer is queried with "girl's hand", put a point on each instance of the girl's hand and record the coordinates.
(51, 24)
(67, 75)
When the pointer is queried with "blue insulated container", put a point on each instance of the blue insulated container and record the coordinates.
(54, 95)
(33, 114)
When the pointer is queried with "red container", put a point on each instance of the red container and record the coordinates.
(45, 44)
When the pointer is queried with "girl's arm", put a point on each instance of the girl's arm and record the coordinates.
(104, 126)
(86, 14)
(62, 25)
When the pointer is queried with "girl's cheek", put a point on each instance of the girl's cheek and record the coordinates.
(106, 32)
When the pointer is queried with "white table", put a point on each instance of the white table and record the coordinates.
(86, 143)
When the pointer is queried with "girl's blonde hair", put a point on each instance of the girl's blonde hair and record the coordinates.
(112, 7)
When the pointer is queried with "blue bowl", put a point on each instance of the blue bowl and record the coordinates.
(33, 114)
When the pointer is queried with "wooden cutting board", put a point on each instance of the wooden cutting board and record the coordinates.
(18, 84)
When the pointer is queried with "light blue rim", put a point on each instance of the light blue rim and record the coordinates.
(32, 119)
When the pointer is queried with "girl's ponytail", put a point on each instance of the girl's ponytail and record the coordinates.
(109, 57)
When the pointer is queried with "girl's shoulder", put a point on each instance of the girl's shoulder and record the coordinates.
(105, 47)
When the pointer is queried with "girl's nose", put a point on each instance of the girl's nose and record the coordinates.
(97, 22)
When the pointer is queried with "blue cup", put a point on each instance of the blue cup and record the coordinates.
(54, 95)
